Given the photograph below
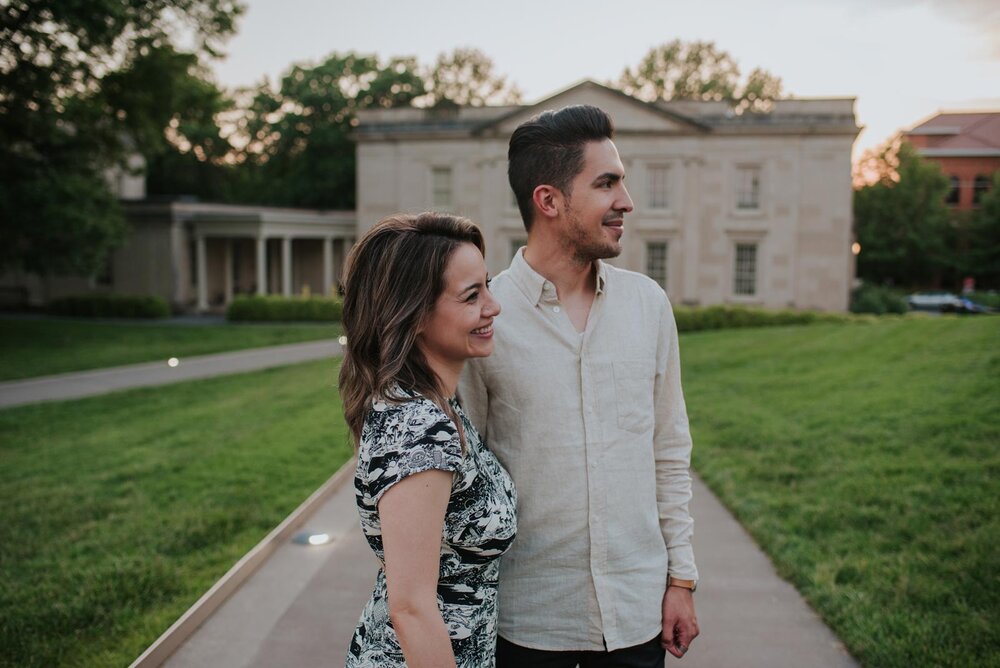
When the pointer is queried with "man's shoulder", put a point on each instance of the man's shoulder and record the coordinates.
(625, 282)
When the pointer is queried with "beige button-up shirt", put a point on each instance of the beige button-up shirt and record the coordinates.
(593, 429)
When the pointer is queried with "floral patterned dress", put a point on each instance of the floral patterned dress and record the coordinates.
(398, 440)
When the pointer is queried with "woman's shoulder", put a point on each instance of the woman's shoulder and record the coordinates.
(404, 420)
(401, 438)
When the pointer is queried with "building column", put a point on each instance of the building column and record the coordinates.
(286, 266)
(690, 237)
(327, 266)
(261, 265)
(201, 272)
(228, 282)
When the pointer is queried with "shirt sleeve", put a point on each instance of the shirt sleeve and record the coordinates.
(474, 396)
(672, 445)
(419, 438)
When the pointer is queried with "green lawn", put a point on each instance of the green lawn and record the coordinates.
(39, 347)
(120, 511)
(864, 459)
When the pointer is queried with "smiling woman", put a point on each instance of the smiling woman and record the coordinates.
(417, 305)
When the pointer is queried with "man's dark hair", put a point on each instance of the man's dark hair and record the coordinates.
(548, 150)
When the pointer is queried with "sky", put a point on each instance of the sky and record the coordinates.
(903, 60)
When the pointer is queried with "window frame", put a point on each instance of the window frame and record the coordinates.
(437, 170)
(648, 246)
(757, 171)
(667, 184)
(736, 278)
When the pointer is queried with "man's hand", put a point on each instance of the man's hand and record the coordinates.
(680, 626)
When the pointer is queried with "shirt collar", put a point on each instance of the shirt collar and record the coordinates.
(536, 287)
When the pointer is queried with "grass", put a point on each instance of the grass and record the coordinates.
(864, 459)
(120, 511)
(41, 347)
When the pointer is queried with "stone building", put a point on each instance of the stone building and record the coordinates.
(748, 209)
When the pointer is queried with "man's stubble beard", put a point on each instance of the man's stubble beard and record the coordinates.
(582, 246)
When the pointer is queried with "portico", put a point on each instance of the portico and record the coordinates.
(221, 251)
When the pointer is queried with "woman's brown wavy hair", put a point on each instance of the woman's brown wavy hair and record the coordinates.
(393, 278)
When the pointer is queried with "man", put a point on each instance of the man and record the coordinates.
(582, 403)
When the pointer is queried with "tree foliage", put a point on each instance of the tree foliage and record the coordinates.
(297, 149)
(466, 77)
(75, 98)
(698, 70)
(903, 224)
(982, 259)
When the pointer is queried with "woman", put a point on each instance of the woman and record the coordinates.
(436, 506)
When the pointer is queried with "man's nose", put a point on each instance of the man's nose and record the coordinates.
(624, 202)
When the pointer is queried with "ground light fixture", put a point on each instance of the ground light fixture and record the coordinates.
(172, 362)
(308, 537)
(342, 340)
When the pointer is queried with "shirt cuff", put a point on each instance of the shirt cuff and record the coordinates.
(681, 564)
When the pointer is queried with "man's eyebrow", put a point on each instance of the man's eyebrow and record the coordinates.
(613, 177)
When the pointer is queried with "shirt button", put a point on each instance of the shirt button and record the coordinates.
(556, 309)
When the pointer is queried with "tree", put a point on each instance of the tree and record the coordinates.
(983, 255)
(698, 71)
(297, 145)
(902, 222)
(465, 77)
(74, 100)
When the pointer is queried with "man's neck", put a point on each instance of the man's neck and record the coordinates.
(571, 277)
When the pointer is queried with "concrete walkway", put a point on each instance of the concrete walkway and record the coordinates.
(88, 383)
(299, 607)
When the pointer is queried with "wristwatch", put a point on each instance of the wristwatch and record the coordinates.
(690, 585)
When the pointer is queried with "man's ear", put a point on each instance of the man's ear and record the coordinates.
(548, 201)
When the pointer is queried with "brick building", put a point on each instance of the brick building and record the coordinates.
(967, 146)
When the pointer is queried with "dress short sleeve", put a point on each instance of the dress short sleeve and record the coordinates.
(399, 440)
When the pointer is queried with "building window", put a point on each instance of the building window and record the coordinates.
(748, 188)
(981, 186)
(656, 262)
(515, 245)
(659, 187)
(745, 270)
(441, 186)
(955, 193)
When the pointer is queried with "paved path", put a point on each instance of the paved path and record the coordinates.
(300, 607)
(88, 383)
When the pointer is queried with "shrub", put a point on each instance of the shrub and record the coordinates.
(110, 306)
(271, 308)
(877, 299)
(990, 299)
(694, 319)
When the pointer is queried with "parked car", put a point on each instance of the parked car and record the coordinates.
(943, 302)
(966, 306)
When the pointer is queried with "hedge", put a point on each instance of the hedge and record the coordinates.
(689, 319)
(695, 319)
(110, 306)
(284, 309)
(877, 299)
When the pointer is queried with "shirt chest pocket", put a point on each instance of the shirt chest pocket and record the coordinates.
(634, 395)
